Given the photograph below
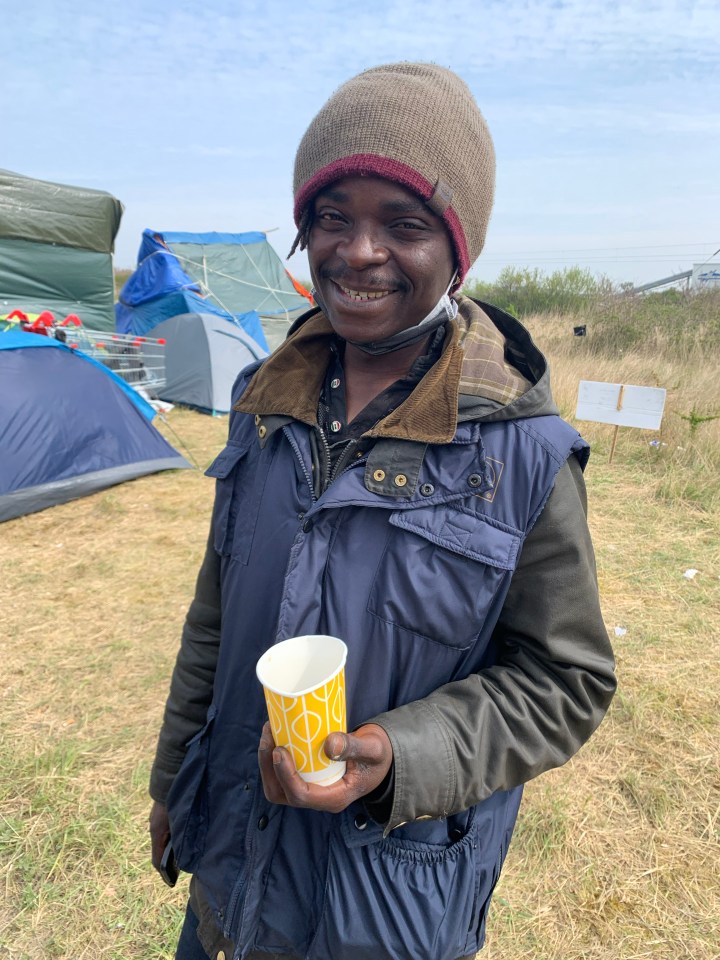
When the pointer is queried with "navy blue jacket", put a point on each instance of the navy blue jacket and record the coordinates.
(416, 584)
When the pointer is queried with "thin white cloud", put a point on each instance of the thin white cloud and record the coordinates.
(201, 150)
(639, 117)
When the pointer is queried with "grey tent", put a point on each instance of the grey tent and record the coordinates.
(203, 355)
(56, 244)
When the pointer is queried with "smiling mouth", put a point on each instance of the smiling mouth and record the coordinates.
(363, 295)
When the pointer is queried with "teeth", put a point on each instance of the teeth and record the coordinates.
(364, 294)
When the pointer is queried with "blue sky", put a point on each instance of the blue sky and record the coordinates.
(605, 116)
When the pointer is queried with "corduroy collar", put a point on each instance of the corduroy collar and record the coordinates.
(289, 382)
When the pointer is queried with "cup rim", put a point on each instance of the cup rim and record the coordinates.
(306, 690)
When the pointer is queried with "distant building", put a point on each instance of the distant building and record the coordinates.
(705, 275)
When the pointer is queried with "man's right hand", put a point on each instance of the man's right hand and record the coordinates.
(159, 832)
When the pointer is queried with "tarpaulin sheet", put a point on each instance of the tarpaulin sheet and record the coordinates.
(57, 213)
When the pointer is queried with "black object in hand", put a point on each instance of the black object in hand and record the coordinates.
(168, 868)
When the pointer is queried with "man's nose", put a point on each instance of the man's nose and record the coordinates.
(362, 247)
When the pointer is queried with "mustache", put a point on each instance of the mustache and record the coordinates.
(367, 281)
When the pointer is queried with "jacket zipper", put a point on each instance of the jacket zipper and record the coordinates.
(242, 881)
(232, 906)
(343, 461)
(298, 454)
(341, 466)
(327, 474)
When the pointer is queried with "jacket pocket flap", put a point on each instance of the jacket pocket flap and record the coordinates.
(357, 828)
(463, 532)
(224, 463)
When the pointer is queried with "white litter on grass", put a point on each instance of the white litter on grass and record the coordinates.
(620, 631)
(161, 406)
(690, 574)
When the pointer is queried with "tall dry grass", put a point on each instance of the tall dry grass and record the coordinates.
(683, 462)
(616, 854)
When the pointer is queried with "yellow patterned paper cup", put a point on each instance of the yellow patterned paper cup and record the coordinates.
(304, 683)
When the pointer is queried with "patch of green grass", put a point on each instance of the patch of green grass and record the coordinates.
(66, 849)
(109, 504)
(542, 828)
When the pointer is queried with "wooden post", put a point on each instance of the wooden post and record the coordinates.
(617, 426)
(614, 441)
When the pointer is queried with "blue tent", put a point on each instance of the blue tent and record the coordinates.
(237, 276)
(68, 427)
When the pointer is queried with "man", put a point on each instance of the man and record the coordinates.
(396, 475)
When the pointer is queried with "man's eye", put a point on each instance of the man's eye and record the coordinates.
(327, 215)
(410, 225)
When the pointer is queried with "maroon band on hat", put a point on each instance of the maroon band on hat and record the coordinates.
(370, 163)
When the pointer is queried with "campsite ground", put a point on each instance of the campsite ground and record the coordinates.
(616, 854)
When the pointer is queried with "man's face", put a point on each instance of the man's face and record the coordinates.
(380, 258)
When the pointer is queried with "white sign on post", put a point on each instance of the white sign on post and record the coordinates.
(620, 404)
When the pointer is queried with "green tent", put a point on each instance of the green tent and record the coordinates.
(56, 244)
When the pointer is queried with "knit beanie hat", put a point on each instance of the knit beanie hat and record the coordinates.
(416, 124)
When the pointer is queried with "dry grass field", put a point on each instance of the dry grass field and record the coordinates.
(616, 855)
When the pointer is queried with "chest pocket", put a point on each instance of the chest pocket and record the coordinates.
(441, 571)
(241, 471)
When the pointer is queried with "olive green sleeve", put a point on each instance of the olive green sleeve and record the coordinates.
(539, 703)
